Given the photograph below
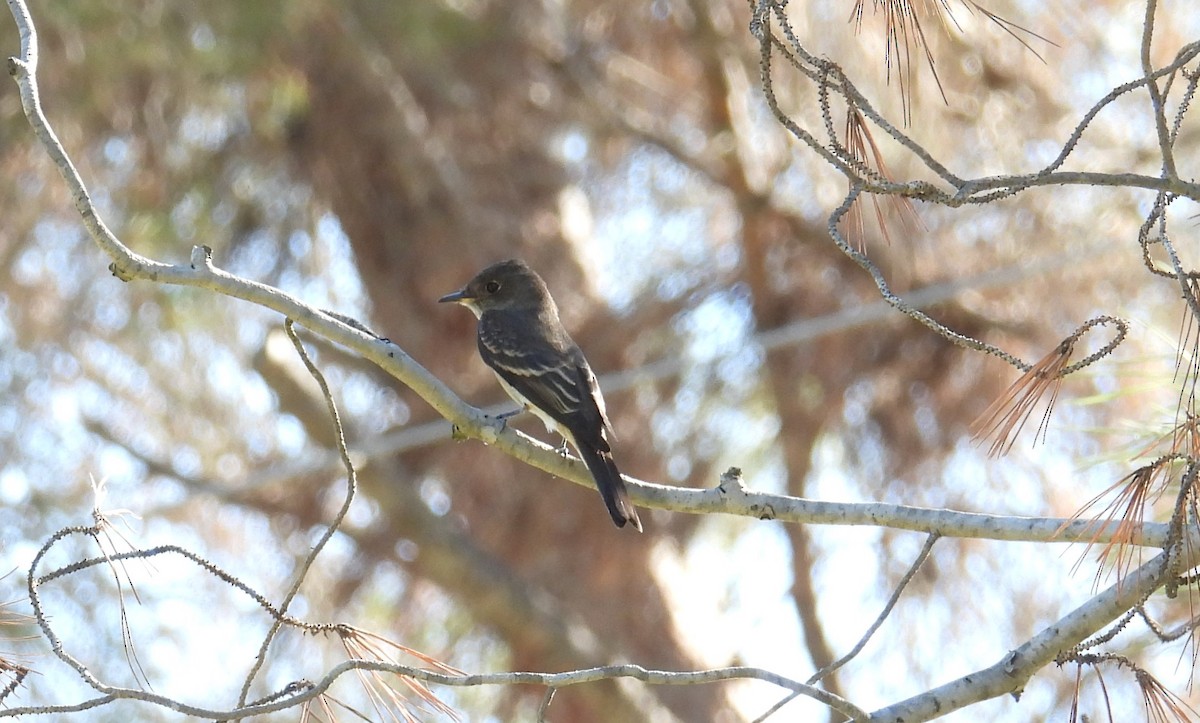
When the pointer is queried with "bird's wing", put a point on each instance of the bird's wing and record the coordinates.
(545, 376)
(593, 385)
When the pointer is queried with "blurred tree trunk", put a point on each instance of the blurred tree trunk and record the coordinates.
(424, 209)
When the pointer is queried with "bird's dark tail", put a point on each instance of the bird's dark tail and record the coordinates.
(612, 487)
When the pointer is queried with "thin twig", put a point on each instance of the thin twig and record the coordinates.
(1156, 99)
(330, 530)
(922, 556)
(816, 677)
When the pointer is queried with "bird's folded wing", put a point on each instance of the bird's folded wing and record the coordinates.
(545, 377)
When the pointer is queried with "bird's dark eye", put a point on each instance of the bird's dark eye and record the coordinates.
(492, 287)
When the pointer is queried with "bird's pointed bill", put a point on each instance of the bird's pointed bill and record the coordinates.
(456, 296)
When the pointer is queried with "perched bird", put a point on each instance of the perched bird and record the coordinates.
(543, 370)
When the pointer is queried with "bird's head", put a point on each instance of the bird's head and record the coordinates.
(506, 285)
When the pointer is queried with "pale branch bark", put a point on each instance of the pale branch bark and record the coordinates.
(735, 500)
(449, 558)
(1010, 673)
(739, 501)
(832, 82)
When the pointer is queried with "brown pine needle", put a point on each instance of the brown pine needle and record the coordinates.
(1189, 342)
(109, 540)
(1104, 692)
(1162, 706)
(1136, 489)
(365, 645)
(903, 32)
(11, 677)
(860, 143)
(1187, 365)
(1006, 417)
(12, 673)
(1073, 716)
(1012, 29)
(308, 716)
(1184, 437)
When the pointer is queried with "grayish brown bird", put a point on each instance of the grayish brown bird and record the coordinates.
(522, 340)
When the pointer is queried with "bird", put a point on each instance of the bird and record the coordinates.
(522, 340)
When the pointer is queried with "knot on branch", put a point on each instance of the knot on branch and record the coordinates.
(121, 271)
(732, 481)
(202, 258)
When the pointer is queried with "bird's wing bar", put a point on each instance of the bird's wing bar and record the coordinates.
(548, 380)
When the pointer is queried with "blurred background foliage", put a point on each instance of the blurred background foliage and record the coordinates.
(369, 157)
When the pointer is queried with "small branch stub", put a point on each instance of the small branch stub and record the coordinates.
(202, 258)
(120, 272)
(731, 481)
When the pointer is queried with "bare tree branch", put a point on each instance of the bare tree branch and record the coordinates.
(1010, 674)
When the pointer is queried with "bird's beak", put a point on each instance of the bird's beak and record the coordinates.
(467, 299)
(458, 297)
